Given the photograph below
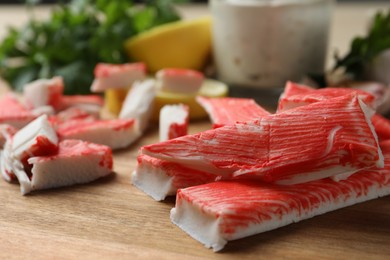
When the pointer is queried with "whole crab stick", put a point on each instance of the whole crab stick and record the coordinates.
(109, 76)
(300, 145)
(218, 212)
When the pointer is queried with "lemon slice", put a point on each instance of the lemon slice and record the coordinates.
(182, 44)
(210, 88)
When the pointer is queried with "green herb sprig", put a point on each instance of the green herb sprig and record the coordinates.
(75, 38)
(364, 49)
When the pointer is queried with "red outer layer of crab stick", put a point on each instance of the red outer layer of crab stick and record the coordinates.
(218, 212)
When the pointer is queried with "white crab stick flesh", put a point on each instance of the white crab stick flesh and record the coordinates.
(44, 92)
(173, 121)
(228, 111)
(139, 103)
(36, 139)
(75, 162)
(116, 133)
(296, 95)
(184, 81)
(159, 178)
(6, 132)
(218, 212)
(300, 145)
(117, 75)
(13, 113)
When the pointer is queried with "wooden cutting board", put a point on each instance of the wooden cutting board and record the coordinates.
(110, 218)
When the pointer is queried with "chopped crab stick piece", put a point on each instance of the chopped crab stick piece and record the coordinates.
(218, 212)
(139, 103)
(13, 113)
(35, 139)
(117, 75)
(296, 95)
(159, 178)
(116, 133)
(382, 127)
(75, 162)
(228, 111)
(179, 80)
(44, 92)
(173, 121)
(300, 145)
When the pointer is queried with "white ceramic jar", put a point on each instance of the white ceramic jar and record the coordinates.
(264, 43)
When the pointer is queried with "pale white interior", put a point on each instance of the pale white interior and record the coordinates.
(139, 102)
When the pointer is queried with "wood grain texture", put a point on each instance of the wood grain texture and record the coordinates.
(110, 218)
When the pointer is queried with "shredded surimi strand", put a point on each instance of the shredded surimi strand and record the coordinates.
(217, 212)
(303, 144)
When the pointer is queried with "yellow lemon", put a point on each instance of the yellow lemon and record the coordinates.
(182, 44)
(210, 88)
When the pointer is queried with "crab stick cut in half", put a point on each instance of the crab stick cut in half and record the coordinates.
(307, 143)
(227, 111)
(183, 81)
(108, 76)
(296, 95)
(218, 212)
(173, 121)
(115, 133)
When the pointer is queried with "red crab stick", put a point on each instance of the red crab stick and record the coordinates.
(173, 121)
(218, 212)
(295, 95)
(179, 80)
(303, 144)
(117, 75)
(227, 111)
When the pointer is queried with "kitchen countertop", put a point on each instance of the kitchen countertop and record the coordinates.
(110, 218)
